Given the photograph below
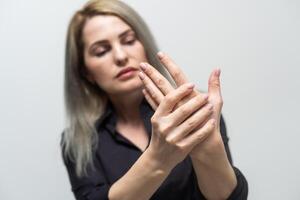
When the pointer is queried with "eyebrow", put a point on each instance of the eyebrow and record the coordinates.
(104, 41)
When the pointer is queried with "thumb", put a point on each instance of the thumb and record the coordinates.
(214, 85)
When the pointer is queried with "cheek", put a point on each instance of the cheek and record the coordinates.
(143, 53)
(102, 77)
(139, 52)
(96, 66)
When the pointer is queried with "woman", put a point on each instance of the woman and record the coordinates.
(116, 146)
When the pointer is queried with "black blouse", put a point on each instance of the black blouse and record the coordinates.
(115, 155)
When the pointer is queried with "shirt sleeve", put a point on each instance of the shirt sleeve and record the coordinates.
(241, 190)
(93, 186)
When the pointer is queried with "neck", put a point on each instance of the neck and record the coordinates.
(127, 107)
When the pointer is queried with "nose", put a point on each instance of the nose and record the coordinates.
(120, 56)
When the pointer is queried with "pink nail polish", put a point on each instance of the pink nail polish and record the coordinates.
(141, 75)
(160, 55)
(143, 66)
(190, 85)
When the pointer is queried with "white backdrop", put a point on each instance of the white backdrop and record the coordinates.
(255, 43)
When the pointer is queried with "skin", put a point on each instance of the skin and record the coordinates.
(110, 45)
(164, 153)
(174, 135)
(157, 86)
(209, 157)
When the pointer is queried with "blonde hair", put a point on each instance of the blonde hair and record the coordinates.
(86, 102)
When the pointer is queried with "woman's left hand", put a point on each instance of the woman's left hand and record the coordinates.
(157, 86)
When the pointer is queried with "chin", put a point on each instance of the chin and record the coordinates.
(135, 85)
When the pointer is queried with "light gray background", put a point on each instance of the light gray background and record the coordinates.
(255, 43)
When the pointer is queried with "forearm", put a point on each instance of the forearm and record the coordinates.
(141, 180)
(215, 175)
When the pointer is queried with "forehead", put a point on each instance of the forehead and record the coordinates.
(102, 27)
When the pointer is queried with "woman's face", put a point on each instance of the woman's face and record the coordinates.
(112, 54)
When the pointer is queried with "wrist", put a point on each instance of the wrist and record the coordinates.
(209, 150)
(157, 165)
(215, 175)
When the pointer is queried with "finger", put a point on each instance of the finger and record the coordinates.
(214, 90)
(167, 105)
(192, 123)
(190, 96)
(176, 73)
(149, 99)
(187, 109)
(152, 90)
(159, 80)
(198, 136)
(214, 86)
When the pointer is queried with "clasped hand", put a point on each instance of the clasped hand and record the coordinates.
(186, 121)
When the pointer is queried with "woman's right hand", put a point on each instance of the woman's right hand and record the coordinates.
(173, 135)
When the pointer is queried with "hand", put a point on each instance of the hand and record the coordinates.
(215, 175)
(159, 86)
(172, 128)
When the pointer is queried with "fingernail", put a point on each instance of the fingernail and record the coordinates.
(218, 72)
(205, 96)
(160, 55)
(143, 66)
(190, 85)
(141, 75)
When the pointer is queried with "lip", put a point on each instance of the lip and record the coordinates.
(125, 70)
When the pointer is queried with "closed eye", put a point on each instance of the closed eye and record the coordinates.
(101, 50)
(130, 42)
(129, 39)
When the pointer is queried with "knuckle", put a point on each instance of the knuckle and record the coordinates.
(171, 140)
(160, 130)
(181, 147)
(159, 81)
(152, 94)
(149, 70)
(202, 133)
(184, 111)
(183, 87)
(220, 101)
(191, 123)
(169, 98)
(165, 59)
(209, 107)
(154, 122)
(212, 124)
(176, 74)
(215, 82)
(163, 129)
(209, 127)
(208, 112)
(196, 101)
(200, 99)
(199, 137)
